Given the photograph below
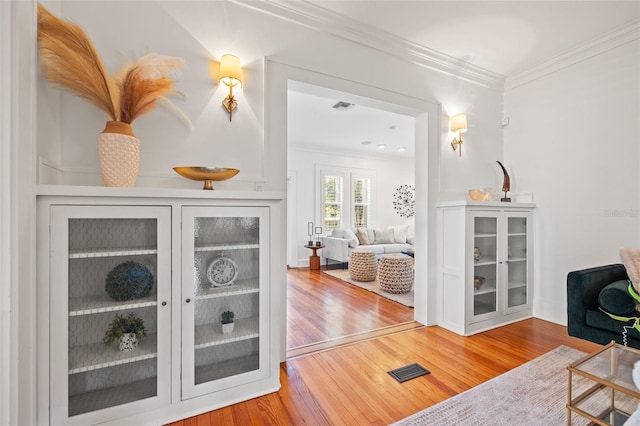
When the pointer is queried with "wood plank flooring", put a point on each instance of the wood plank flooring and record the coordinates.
(350, 385)
(321, 308)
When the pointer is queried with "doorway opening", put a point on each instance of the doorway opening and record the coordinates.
(352, 139)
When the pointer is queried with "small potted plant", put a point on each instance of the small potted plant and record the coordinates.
(127, 330)
(227, 322)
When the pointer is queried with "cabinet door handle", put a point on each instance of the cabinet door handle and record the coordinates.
(164, 303)
(188, 300)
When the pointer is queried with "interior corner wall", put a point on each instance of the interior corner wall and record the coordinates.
(49, 121)
(390, 173)
(574, 142)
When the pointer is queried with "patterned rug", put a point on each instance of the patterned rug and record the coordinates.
(533, 394)
(374, 286)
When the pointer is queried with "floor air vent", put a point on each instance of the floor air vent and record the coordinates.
(408, 372)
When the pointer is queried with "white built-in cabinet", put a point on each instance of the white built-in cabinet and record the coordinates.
(174, 244)
(485, 264)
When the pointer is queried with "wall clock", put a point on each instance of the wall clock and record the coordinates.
(222, 272)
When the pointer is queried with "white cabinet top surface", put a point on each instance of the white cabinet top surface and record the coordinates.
(149, 192)
(492, 204)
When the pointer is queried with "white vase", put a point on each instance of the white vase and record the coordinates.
(128, 342)
(227, 328)
(119, 152)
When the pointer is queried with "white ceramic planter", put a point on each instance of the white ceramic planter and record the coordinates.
(119, 152)
(227, 328)
(128, 342)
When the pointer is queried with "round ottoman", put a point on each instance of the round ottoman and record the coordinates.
(363, 266)
(396, 273)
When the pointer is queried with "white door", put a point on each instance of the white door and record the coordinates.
(109, 265)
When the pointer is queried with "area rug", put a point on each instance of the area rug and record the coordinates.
(533, 394)
(374, 286)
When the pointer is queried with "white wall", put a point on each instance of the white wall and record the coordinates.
(202, 32)
(390, 173)
(574, 141)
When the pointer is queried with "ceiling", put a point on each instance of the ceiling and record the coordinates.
(503, 37)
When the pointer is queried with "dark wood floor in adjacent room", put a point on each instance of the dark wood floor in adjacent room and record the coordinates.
(349, 385)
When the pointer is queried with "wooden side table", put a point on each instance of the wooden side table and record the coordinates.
(314, 259)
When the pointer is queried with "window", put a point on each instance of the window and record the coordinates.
(346, 198)
(333, 205)
(361, 201)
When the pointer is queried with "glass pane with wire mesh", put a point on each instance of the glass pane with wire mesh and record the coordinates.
(112, 290)
(226, 287)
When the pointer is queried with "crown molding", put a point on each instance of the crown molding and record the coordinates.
(595, 47)
(320, 19)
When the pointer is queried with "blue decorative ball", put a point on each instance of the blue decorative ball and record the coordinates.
(129, 281)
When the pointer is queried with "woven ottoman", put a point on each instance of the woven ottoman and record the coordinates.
(396, 273)
(363, 266)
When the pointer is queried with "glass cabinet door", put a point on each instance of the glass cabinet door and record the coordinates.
(485, 265)
(517, 262)
(110, 274)
(224, 306)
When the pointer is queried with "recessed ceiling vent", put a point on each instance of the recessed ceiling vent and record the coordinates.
(342, 106)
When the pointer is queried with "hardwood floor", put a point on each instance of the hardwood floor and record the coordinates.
(322, 308)
(349, 385)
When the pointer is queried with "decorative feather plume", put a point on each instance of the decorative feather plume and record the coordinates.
(71, 61)
(145, 83)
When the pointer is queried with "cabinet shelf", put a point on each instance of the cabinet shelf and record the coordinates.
(100, 304)
(219, 247)
(484, 261)
(517, 259)
(111, 252)
(232, 367)
(211, 334)
(97, 355)
(517, 234)
(108, 397)
(514, 285)
(240, 287)
(485, 235)
(485, 289)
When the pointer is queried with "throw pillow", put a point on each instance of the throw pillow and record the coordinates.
(363, 237)
(348, 234)
(631, 260)
(337, 233)
(616, 300)
(400, 233)
(384, 236)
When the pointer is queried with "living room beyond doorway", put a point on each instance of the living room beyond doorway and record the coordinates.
(360, 140)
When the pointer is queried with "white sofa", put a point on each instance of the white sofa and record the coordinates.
(341, 242)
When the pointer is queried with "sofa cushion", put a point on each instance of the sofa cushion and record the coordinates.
(400, 233)
(376, 248)
(346, 234)
(394, 248)
(384, 236)
(615, 299)
(600, 320)
(363, 237)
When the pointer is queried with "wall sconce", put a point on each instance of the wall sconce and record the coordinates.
(231, 75)
(458, 124)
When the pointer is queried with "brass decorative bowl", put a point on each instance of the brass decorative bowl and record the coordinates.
(206, 174)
